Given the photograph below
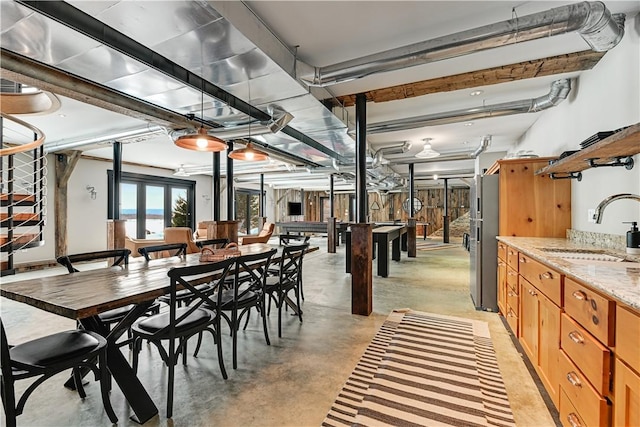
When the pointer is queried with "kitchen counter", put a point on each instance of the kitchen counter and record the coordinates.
(620, 280)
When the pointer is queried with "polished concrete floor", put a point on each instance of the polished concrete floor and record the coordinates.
(294, 381)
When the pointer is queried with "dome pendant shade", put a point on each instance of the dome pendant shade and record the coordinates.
(249, 153)
(427, 152)
(201, 141)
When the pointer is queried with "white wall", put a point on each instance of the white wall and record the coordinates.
(604, 98)
(87, 218)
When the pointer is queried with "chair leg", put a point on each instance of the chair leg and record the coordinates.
(104, 387)
(218, 338)
(264, 324)
(195, 353)
(9, 402)
(137, 345)
(234, 337)
(280, 303)
(298, 302)
(77, 379)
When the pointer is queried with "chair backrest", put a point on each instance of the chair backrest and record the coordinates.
(179, 248)
(267, 229)
(214, 243)
(188, 278)
(120, 256)
(290, 268)
(181, 235)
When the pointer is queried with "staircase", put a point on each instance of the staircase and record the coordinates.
(23, 186)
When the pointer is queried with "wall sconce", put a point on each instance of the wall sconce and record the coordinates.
(92, 192)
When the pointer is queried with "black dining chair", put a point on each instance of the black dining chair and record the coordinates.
(168, 250)
(247, 290)
(289, 278)
(164, 250)
(120, 257)
(47, 356)
(182, 323)
(212, 243)
(274, 271)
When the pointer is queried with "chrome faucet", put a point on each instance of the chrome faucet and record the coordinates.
(603, 204)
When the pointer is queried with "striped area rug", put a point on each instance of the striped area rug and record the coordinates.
(424, 369)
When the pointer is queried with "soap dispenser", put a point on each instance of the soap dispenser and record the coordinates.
(633, 239)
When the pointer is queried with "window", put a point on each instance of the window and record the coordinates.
(150, 203)
(248, 211)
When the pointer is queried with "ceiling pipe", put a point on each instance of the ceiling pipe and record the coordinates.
(395, 149)
(592, 20)
(559, 91)
(103, 139)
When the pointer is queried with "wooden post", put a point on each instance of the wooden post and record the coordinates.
(116, 232)
(65, 163)
(361, 269)
(223, 229)
(332, 235)
(411, 238)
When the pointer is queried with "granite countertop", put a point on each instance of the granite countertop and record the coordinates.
(619, 280)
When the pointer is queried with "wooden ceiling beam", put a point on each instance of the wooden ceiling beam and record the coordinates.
(567, 63)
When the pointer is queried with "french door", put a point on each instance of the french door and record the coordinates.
(150, 203)
(248, 211)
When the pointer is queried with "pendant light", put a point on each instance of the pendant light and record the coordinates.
(249, 153)
(201, 141)
(427, 152)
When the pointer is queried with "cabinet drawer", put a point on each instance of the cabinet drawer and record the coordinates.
(593, 311)
(512, 319)
(512, 258)
(547, 280)
(568, 413)
(502, 251)
(512, 280)
(628, 337)
(587, 402)
(592, 358)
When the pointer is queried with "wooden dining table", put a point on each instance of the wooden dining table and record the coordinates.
(85, 294)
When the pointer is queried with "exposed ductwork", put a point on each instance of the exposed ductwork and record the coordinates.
(559, 91)
(395, 149)
(592, 20)
(133, 135)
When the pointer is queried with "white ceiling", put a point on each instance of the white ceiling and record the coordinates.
(329, 32)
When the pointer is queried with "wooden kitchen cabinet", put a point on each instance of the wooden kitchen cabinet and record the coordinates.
(532, 205)
(626, 408)
(540, 302)
(502, 278)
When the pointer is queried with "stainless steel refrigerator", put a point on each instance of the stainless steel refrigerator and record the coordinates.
(483, 247)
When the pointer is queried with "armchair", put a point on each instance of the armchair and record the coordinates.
(181, 235)
(262, 237)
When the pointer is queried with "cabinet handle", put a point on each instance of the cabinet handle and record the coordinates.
(532, 292)
(579, 295)
(511, 294)
(576, 337)
(501, 264)
(573, 420)
(572, 377)
(547, 275)
(523, 260)
(511, 273)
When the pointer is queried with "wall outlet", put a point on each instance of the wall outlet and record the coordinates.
(590, 214)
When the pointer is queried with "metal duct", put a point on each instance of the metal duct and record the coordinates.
(120, 136)
(395, 149)
(559, 91)
(592, 20)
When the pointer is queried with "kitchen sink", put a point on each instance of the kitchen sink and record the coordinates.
(584, 254)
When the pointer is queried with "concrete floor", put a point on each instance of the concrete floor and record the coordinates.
(294, 381)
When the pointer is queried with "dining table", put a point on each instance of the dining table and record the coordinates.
(85, 294)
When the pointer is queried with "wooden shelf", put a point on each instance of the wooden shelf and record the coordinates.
(625, 143)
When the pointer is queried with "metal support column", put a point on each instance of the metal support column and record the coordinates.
(216, 186)
(117, 178)
(230, 196)
(445, 216)
(411, 192)
(361, 158)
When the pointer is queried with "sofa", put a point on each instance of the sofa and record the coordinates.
(262, 237)
(134, 244)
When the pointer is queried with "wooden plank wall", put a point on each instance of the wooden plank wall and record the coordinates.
(390, 205)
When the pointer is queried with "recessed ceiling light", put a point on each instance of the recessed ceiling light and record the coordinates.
(62, 115)
(477, 92)
(435, 176)
(469, 124)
